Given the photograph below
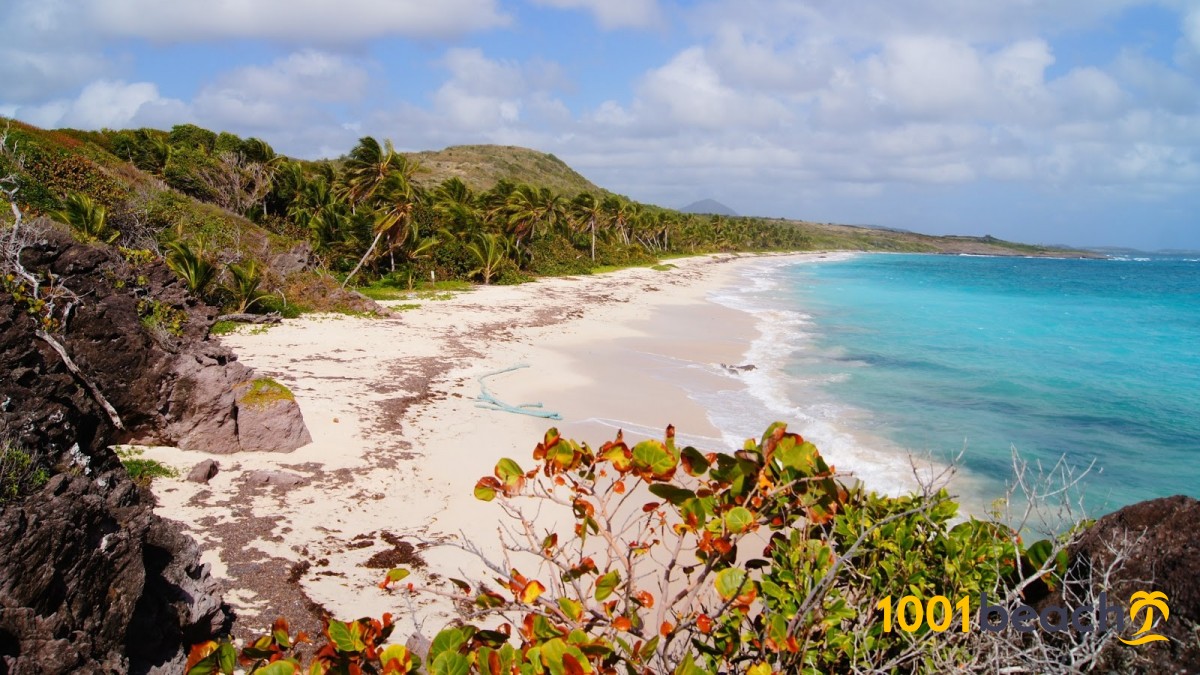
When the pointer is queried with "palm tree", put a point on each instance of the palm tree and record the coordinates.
(368, 165)
(455, 205)
(528, 206)
(617, 211)
(588, 210)
(192, 266)
(244, 282)
(87, 218)
(491, 250)
(394, 219)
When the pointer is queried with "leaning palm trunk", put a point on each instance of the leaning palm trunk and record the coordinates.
(370, 250)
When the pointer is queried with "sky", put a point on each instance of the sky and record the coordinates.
(1046, 121)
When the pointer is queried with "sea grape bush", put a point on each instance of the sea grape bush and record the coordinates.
(670, 560)
(686, 562)
(349, 648)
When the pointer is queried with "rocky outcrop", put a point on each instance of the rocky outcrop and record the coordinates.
(90, 579)
(1157, 539)
(142, 340)
(94, 581)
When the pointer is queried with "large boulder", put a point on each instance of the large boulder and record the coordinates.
(217, 405)
(1160, 551)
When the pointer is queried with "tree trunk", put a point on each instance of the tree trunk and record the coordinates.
(363, 260)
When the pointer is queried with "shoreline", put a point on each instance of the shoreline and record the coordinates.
(398, 442)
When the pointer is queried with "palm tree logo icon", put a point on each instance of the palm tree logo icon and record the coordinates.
(1147, 603)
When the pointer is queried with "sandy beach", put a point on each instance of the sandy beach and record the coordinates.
(398, 439)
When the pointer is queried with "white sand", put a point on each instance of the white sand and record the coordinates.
(398, 442)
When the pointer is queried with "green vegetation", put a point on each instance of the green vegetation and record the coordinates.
(223, 328)
(222, 208)
(480, 167)
(262, 392)
(141, 470)
(159, 317)
(19, 474)
(88, 219)
(191, 265)
(661, 572)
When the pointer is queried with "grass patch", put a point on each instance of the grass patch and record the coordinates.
(663, 267)
(223, 328)
(143, 471)
(262, 392)
(18, 473)
(383, 292)
(405, 307)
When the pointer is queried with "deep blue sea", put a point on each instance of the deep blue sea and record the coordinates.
(880, 355)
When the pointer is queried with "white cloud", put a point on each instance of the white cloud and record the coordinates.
(310, 21)
(689, 91)
(484, 95)
(614, 13)
(110, 104)
(32, 75)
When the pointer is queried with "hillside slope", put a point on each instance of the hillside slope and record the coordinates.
(482, 166)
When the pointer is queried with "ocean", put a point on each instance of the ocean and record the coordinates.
(878, 358)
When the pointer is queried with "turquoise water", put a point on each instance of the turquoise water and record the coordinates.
(878, 355)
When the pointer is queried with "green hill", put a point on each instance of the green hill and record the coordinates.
(481, 167)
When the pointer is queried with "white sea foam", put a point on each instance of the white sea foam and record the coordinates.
(786, 335)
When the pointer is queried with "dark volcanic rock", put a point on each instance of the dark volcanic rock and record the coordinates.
(168, 389)
(1163, 554)
(90, 579)
(94, 581)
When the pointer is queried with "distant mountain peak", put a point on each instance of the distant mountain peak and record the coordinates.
(709, 207)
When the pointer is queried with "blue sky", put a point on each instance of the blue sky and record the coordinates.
(1049, 121)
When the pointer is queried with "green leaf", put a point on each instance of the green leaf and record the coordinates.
(449, 640)
(671, 493)
(688, 667)
(450, 663)
(729, 582)
(552, 655)
(573, 609)
(509, 472)
(206, 666)
(485, 489)
(694, 462)
(606, 584)
(803, 458)
(345, 637)
(397, 574)
(651, 458)
(1039, 552)
(227, 657)
(738, 519)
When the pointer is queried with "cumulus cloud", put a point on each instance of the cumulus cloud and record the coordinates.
(488, 96)
(614, 13)
(111, 104)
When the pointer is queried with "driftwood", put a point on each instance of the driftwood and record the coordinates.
(70, 364)
(250, 318)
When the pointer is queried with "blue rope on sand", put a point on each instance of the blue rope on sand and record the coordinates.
(488, 401)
